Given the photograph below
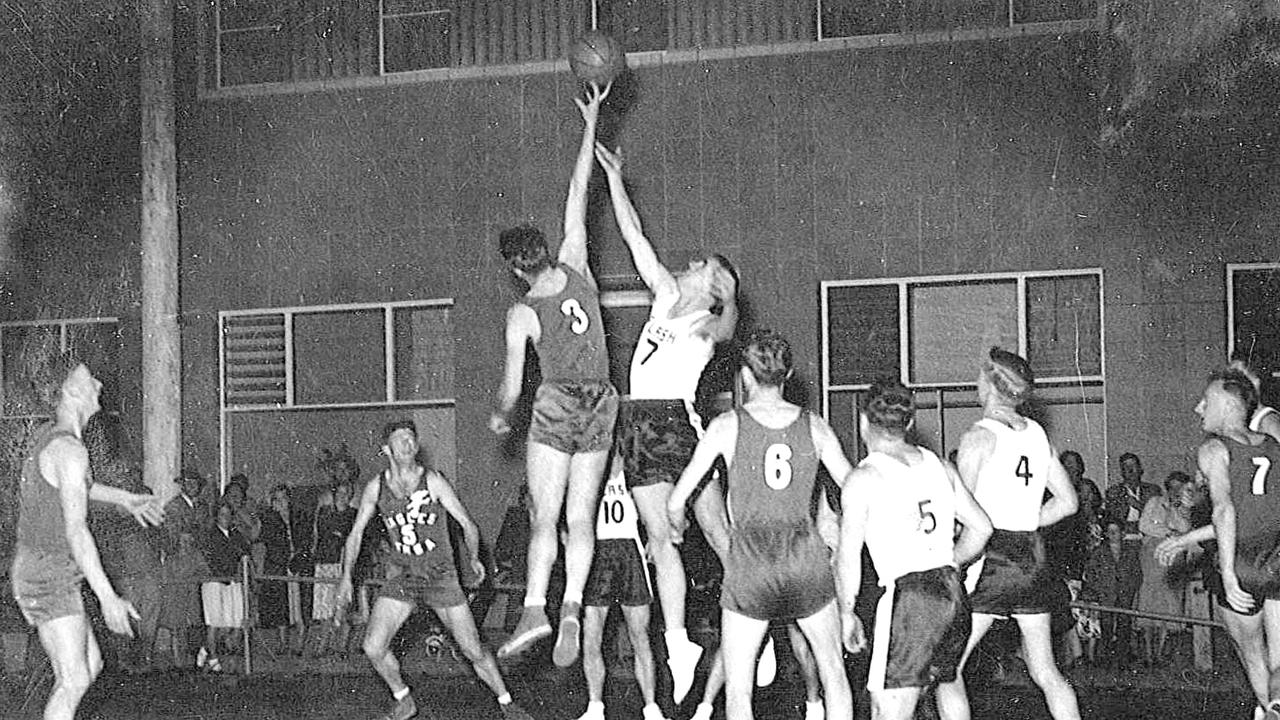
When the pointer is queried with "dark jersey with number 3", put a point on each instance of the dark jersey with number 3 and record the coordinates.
(571, 347)
(1254, 471)
(772, 474)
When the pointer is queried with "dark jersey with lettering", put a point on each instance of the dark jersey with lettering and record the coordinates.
(571, 347)
(772, 475)
(417, 529)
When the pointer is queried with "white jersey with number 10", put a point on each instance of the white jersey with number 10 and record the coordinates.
(617, 517)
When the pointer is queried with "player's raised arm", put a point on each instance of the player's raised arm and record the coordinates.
(652, 271)
(573, 250)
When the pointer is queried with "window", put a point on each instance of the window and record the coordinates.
(852, 18)
(26, 347)
(1253, 313)
(295, 380)
(931, 334)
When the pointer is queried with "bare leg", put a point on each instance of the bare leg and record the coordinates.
(1271, 621)
(1037, 651)
(593, 666)
(740, 638)
(822, 629)
(715, 683)
(548, 476)
(76, 660)
(385, 621)
(1246, 632)
(637, 618)
(462, 626)
(651, 501)
(586, 470)
(953, 700)
(808, 665)
(894, 704)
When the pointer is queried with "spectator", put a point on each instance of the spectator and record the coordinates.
(131, 558)
(223, 599)
(1069, 541)
(1110, 576)
(1124, 503)
(279, 605)
(188, 520)
(334, 517)
(1161, 592)
(236, 494)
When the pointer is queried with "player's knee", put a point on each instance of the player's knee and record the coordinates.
(76, 680)
(373, 647)
(1046, 677)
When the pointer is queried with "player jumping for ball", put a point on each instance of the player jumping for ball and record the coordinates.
(692, 311)
(575, 406)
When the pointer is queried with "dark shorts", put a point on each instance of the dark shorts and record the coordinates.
(1257, 569)
(46, 586)
(656, 439)
(435, 588)
(922, 625)
(574, 417)
(619, 575)
(1013, 576)
(777, 573)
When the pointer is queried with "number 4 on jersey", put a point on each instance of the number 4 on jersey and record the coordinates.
(1024, 471)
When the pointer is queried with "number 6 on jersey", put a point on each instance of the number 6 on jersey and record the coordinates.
(777, 466)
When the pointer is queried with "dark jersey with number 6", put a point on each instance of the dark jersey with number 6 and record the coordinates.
(1255, 489)
(772, 474)
(571, 347)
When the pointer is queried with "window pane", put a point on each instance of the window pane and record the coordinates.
(339, 357)
(234, 14)
(954, 324)
(417, 42)
(863, 334)
(27, 350)
(1064, 326)
(1256, 304)
(254, 360)
(254, 56)
(424, 354)
(98, 346)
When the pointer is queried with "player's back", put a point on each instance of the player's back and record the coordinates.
(571, 346)
(772, 475)
(1011, 482)
(910, 515)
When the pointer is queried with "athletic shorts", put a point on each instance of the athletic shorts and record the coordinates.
(223, 604)
(1013, 577)
(922, 625)
(656, 439)
(777, 573)
(440, 589)
(1257, 569)
(46, 585)
(619, 574)
(574, 417)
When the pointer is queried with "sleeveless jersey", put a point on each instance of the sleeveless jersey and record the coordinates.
(772, 475)
(1259, 415)
(669, 357)
(911, 516)
(571, 347)
(1011, 484)
(1255, 487)
(417, 528)
(616, 518)
(41, 525)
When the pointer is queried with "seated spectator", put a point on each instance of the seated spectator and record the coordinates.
(222, 597)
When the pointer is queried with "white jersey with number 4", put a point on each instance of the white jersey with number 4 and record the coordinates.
(670, 355)
(1011, 484)
(911, 512)
(617, 518)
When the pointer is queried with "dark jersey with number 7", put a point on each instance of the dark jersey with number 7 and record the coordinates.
(1254, 471)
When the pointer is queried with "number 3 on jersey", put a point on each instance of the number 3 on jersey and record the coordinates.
(572, 309)
(777, 466)
(1260, 475)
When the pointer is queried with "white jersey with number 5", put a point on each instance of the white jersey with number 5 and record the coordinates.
(670, 355)
(1011, 483)
(616, 518)
(911, 513)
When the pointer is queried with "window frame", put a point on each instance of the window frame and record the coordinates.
(63, 324)
(1231, 270)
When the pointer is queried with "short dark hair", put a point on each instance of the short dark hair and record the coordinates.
(190, 474)
(524, 247)
(1010, 374)
(395, 425)
(890, 406)
(768, 355)
(1237, 384)
(728, 266)
(1062, 458)
(1177, 476)
(1130, 456)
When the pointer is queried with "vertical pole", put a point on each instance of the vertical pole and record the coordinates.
(161, 342)
(244, 625)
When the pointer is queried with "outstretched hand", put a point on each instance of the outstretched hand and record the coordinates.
(590, 107)
(117, 612)
(146, 509)
(610, 160)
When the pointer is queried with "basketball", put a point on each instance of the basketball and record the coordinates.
(597, 58)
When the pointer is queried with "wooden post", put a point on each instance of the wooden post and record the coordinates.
(161, 341)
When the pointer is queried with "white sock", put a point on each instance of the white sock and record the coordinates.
(702, 712)
(401, 694)
(814, 709)
(652, 712)
(538, 602)
(572, 597)
(504, 698)
(676, 637)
